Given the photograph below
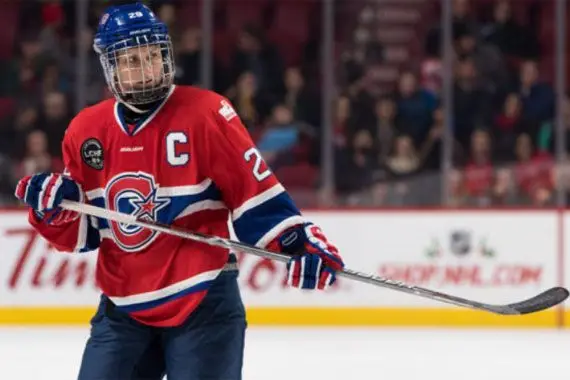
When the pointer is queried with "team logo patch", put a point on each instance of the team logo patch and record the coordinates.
(134, 194)
(92, 153)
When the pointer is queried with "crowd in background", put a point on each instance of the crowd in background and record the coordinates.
(501, 116)
(388, 121)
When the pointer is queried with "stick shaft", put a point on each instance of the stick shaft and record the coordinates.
(245, 248)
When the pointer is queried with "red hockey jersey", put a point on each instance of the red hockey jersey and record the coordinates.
(191, 164)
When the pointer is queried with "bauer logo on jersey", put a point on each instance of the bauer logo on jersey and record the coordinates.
(135, 194)
(92, 153)
(227, 111)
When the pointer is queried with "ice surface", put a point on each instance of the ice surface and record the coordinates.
(299, 354)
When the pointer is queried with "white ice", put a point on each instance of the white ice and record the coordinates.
(309, 354)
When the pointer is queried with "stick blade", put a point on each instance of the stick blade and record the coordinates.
(542, 301)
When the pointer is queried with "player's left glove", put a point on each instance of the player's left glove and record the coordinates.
(315, 261)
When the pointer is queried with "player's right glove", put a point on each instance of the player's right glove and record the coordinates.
(44, 192)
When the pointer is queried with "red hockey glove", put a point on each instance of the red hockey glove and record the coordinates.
(315, 260)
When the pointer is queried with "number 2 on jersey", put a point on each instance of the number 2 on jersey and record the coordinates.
(254, 153)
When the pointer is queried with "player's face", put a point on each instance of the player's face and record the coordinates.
(139, 68)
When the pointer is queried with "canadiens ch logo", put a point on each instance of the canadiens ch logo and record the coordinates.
(135, 194)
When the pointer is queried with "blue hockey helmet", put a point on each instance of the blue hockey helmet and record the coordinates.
(135, 51)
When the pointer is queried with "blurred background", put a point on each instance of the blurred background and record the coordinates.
(354, 104)
(385, 103)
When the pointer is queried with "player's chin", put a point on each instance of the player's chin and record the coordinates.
(145, 86)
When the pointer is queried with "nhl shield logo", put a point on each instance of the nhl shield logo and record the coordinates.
(460, 242)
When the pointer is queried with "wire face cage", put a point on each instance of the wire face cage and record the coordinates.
(139, 70)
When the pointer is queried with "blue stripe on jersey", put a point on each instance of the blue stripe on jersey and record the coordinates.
(179, 203)
(92, 240)
(253, 224)
(154, 303)
(175, 207)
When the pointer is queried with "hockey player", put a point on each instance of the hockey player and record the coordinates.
(180, 156)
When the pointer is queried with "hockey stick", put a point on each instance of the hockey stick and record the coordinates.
(542, 301)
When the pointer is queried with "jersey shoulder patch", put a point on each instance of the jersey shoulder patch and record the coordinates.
(226, 110)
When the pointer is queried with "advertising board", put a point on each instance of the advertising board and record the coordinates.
(491, 256)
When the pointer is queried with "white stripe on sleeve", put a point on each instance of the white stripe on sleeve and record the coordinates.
(257, 200)
(279, 228)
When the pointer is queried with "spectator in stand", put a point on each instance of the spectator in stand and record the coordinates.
(505, 33)
(544, 134)
(375, 136)
(188, 57)
(537, 97)
(488, 60)
(479, 173)
(431, 148)
(456, 186)
(188, 62)
(471, 103)
(385, 129)
(299, 98)
(415, 107)
(431, 72)
(54, 119)
(280, 138)
(21, 76)
(27, 117)
(506, 126)
(254, 54)
(53, 80)
(37, 158)
(533, 173)
(501, 192)
(401, 165)
(356, 165)
(25, 121)
(252, 106)
(404, 160)
(363, 94)
(286, 146)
